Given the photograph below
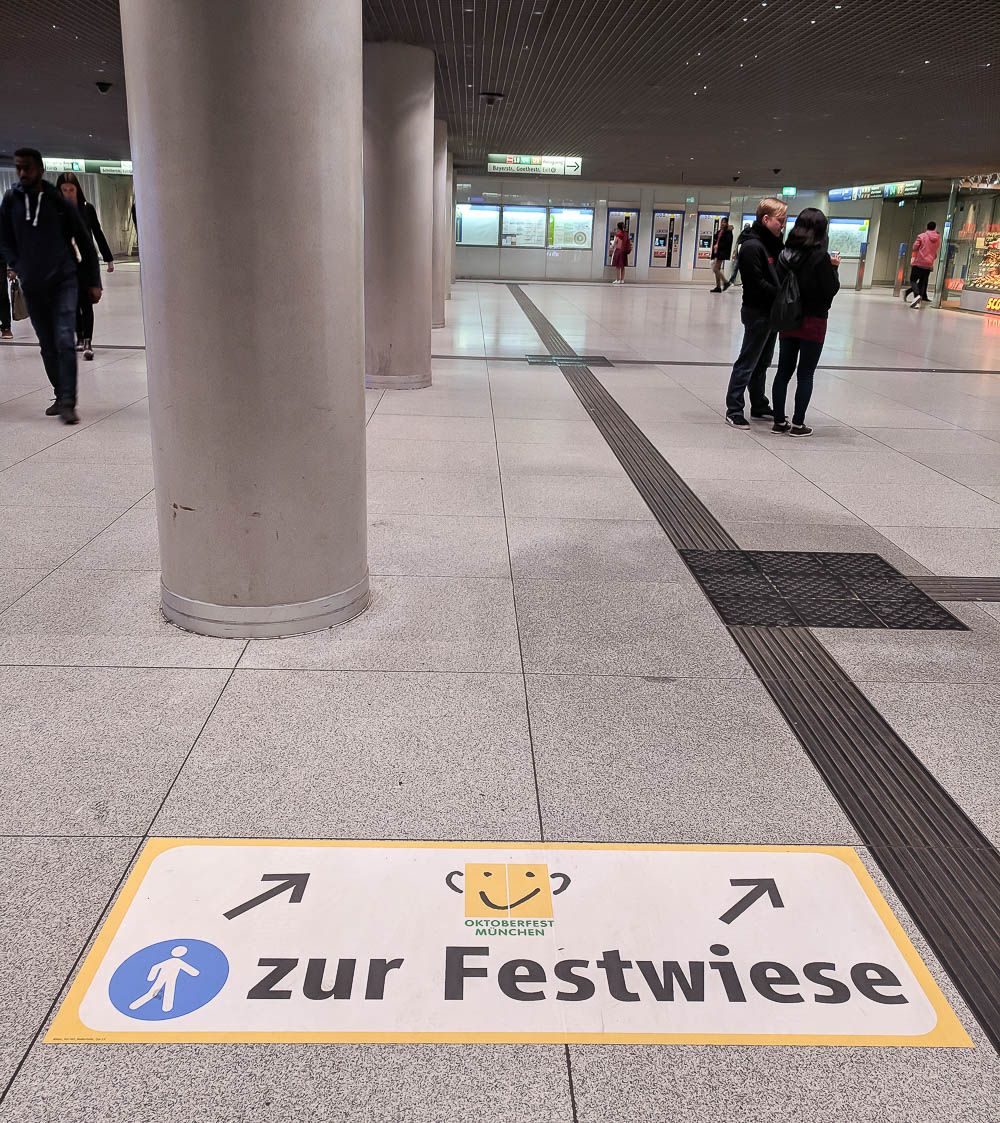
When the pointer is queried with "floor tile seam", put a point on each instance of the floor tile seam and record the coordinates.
(70, 557)
(901, 404)
(74, 431)
(517, 627)
(374, 408)
(88, 940)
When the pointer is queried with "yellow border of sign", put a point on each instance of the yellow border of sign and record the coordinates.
(67, 1027)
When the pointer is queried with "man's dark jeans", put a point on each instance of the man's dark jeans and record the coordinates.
(918, 281)
(806, 353)
(53, 316)
(4, 297)
(750, 368)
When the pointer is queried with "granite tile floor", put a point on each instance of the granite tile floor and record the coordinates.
(537, 664)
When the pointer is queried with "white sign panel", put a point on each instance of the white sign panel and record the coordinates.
(226, 940)
(523, 226)
(505, 163)
(571, 228)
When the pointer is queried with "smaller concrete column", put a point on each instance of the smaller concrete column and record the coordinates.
(451, 225)
(399, 209)
(440, 278)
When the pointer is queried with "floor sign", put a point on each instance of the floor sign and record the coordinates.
(269, 940)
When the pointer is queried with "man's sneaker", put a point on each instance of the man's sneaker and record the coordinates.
(800, 430)
(726, 285)
(765, 412)
(6, 334)
(916, 302)
(67, 411)
(88, 350)
(780, 427)
(715, 290)
(738, 422)
(79, 345)
(53, 410)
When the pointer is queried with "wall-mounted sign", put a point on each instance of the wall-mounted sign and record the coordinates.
(906, 187)
(504, 163)
(789, 191)
(78, 164)
(211, 940)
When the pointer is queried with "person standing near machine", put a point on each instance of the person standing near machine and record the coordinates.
(760, 286)
(621, 247)
(72, 190)
(925, 251)
(37, 230)
(722, 251)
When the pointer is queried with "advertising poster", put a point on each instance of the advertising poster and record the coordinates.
(571, 228)
(523, 226)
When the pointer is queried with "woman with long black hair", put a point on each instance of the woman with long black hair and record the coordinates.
(805, 254)
(72, 190)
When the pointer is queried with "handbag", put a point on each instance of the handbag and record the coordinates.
(18, 307)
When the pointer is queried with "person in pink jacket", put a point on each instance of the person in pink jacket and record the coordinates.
(925, 251)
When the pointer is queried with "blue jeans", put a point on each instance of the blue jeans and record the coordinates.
(53, 316)
(750, 368)
(806, 353)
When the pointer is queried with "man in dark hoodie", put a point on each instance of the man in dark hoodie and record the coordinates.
(758, 255)
(38, 229)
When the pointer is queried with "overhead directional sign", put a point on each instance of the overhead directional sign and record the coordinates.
(902, 188)
(504, 163)
(503, 942)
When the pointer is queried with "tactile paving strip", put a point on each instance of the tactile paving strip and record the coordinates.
(944, 869)
(782, 589)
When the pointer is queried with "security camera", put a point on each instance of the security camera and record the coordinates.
(777, 171)
(103, 86)
(735, 178)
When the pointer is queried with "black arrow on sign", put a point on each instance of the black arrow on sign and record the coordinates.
(294, 881)
(761, 886)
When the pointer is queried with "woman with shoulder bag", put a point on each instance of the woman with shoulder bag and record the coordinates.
(72, 191)
(805, 254)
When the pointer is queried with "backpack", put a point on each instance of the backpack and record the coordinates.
(786, 311)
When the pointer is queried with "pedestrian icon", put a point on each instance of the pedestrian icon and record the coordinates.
(168, 979)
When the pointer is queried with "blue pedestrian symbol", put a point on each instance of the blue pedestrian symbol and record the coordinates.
(168, 979)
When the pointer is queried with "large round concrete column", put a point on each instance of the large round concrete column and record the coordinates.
(399, 214)
(246, 139)
(451, 225)
(439, 285)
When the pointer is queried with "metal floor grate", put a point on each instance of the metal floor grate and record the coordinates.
(783, 589)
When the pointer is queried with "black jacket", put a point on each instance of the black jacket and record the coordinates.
(723, 248)
(819, 281)
(35, 240)
(91, 219)
(758, 255)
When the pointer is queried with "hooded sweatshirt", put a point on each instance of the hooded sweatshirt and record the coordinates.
(819, 283)
(35, 233)
(925, 249)
(758, 255)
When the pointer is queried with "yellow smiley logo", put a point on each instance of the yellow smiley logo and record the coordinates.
(513, 890)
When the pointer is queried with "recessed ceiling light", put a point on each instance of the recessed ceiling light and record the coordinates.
(927, 62)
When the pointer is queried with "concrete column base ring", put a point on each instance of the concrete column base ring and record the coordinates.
(276, 621)
(397, 381)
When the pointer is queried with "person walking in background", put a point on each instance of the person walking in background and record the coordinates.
(760, 286)
(722, 251)
(736, 255)
(805, 255)
(5, 333)
(72, 190)
(925, 251)
(621, 247)
(38, 228)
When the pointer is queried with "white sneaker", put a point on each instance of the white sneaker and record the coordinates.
(916, 302)
(614, 282)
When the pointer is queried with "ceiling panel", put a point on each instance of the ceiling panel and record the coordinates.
(653, 90)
